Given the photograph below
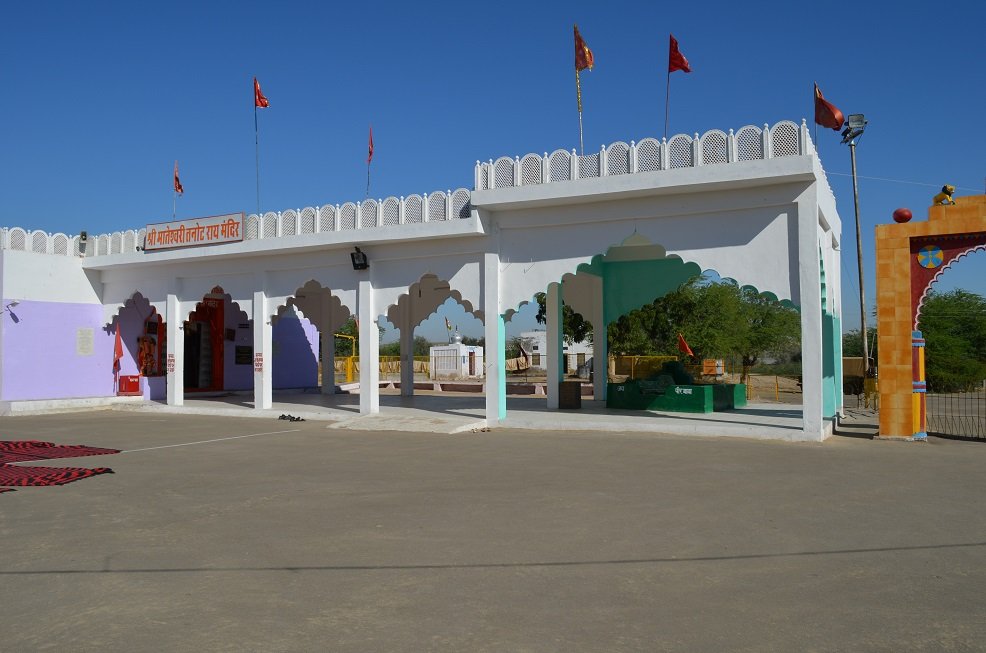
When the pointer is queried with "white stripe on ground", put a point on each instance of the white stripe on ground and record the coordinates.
(188, 444)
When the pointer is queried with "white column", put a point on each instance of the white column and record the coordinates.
(175, 355)
(263, 386)
(369, 352)
(599, 359)
(407, 351)
(328, 342)
(809, 278)
(493, 354)
(553, 326)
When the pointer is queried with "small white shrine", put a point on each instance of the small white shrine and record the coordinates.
(456, 360)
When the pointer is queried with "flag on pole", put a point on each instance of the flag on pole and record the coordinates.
(583, 55)
(448, 325)
(683, 346)
(178, 187)
(676, 60)
(117, 349)
(369, 151)
(826, 113)
(583, 60)
(258, 97)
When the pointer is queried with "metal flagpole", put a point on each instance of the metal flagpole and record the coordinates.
(667, 104)
(174, 206)
(367, 179)
(578, 92)
(256, 140)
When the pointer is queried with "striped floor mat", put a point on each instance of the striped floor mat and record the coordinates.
(16, 451)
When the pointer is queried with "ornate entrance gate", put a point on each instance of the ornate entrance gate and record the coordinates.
(910, 257)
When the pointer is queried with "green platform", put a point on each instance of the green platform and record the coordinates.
(663, 396)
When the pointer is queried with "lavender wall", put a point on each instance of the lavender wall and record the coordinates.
(40, 360)
(295, 353)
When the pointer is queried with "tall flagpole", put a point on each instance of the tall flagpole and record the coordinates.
(578, 91)
(174, 206)
(256, 140)
(667, 104)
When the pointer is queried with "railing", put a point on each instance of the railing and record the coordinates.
(435, 207)
(682, 151)
(714, 147)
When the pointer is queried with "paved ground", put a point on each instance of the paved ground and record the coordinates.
(296, 537)
(455, 412)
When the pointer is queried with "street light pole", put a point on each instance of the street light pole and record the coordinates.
(859, 260)
(855, 125)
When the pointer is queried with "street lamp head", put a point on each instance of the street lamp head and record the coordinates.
(855, 126)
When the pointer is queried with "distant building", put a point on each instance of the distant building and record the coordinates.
(575, 355)
(455, 360)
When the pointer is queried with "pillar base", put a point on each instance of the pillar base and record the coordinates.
(917, 437)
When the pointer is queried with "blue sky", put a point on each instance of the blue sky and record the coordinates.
(99, 99)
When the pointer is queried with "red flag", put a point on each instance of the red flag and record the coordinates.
(258, 98)
(826, 113)
(117, 349)
(178, 187)
(369, 155)
(583, 55)
(676, 60)
(683, 346)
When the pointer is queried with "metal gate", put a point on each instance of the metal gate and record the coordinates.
(958, 414)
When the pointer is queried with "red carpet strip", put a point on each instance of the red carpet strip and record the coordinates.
(41, 476)
(14, 451)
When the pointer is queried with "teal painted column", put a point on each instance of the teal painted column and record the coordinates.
(840, 394)
(828, 366)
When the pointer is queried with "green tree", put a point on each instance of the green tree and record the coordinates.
(574, 327)
(852, 343)
(345, 346)
(954, 327)
(717, 319)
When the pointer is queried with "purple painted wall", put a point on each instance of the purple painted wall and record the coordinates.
(40, 359)
(295, 353)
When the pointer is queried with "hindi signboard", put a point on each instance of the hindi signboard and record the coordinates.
(213, 230)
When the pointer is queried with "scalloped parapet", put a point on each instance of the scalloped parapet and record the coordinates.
(714, 147)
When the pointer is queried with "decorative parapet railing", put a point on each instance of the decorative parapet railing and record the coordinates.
(413, 209)
(750, 143)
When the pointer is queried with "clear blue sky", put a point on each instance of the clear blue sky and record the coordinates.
(99, 99)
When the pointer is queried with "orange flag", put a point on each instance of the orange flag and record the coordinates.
(683, 346)
(178, 187)
(117, 349)
(676, 60)
(258, 97)
(583, 55)
(826, 113)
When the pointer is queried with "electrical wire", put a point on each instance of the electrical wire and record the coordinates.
(900, 181)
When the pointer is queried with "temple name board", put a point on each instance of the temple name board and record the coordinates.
(213, 230)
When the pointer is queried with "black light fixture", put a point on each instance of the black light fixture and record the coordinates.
(359, 260)
(855, 126)
(83, 241)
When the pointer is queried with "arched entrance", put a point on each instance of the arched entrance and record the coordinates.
(910, 257)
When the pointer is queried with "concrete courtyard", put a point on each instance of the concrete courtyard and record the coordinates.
(224, 533)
